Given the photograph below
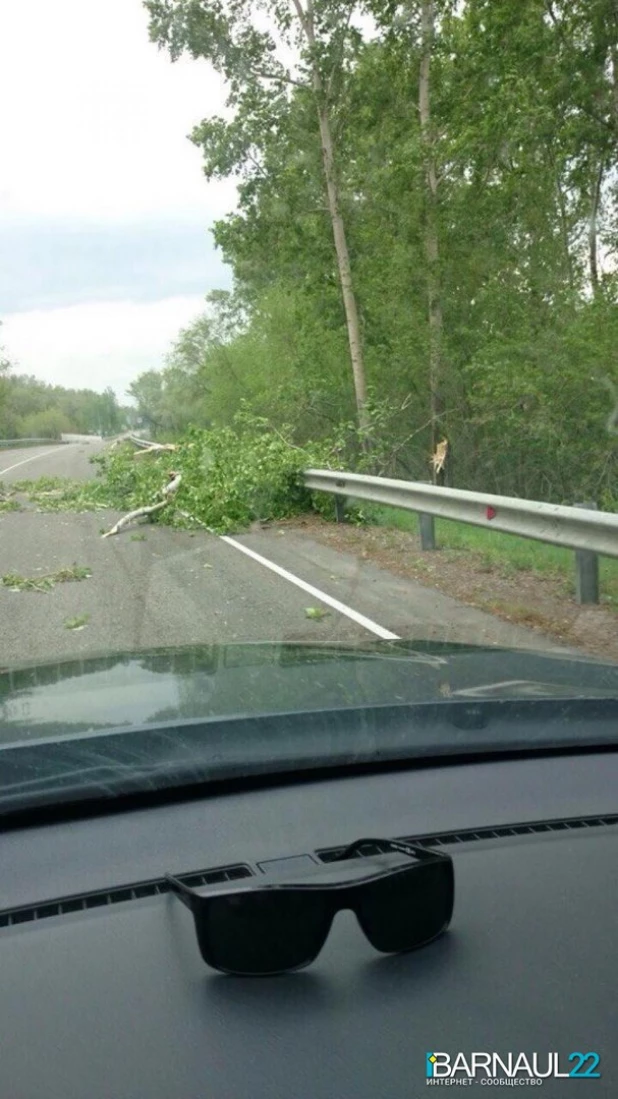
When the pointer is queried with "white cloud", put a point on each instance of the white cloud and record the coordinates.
(95, 118)
(96, 345)
(102, 196)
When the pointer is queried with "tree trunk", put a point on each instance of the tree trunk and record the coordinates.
(345, 270)
(432, 254)
(614, 56)
(592, 229)
(564, 232)
(338, 226)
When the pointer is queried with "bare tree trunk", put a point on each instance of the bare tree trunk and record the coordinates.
(593, 229)
(338, 226)
(614, 56)
(345, 270)
(564, 231)
(614, 103)
(432, 254)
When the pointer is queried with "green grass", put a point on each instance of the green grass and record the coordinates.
(506, 552)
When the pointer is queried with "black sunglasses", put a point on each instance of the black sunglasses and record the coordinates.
(263, 928)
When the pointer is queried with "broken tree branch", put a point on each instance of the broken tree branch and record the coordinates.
(168, 493)
(155, 448)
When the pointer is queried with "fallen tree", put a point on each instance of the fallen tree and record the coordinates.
(168, 493)
(223, 479)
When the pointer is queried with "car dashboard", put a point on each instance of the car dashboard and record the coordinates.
(104, 993)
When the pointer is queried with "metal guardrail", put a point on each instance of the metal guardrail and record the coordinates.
(581, 527)
(81, 437)
(144, 443)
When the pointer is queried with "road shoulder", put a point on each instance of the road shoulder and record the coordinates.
(516, 607)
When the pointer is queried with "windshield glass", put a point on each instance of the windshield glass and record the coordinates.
(316, 408)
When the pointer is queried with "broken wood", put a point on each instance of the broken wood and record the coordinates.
(155, 448)
(440, 460)
(168, 492)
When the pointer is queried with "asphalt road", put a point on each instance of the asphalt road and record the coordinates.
(174, 587)
(62, 460)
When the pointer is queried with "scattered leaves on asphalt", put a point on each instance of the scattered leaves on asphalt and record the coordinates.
(77, 623)
(14, 582)
(316, 612)
(138, 537)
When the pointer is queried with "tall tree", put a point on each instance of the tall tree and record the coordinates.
(432, 247)
(496, 200)
(319, 35)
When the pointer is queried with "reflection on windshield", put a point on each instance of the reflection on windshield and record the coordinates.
(156, 688)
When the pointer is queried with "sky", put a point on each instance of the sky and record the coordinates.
(105, 248)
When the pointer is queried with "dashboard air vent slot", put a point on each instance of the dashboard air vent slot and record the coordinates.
(9, 917)
(473, 835)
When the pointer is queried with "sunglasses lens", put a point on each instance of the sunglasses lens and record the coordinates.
(406, 910)
(260, 933)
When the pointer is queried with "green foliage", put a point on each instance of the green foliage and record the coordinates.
(230, 476)
(525, 123)
(14, 582)
(551, 396)
(48, 424)
(39, 484)
(31, 409)
(77, 623)
(63, 494)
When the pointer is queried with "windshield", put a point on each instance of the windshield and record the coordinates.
(314, 410)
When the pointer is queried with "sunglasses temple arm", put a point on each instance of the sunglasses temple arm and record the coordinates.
(182, 891)
(418, 850)
(394, 845)
(357, 845)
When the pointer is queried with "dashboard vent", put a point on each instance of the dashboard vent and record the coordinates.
(80, 902)
(473, 835)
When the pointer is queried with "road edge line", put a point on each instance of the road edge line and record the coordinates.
(32, 458)
(342, 608)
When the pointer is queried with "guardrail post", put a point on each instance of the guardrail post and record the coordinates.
(427, 528)
(586, 570)
(340, 509)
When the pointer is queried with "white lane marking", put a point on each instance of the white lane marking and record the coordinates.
(33, 458)
(360, 619)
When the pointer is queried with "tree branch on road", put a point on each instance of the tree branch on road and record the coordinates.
(168, 492)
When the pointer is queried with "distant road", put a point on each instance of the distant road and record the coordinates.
(155, 586)
(74, 437)
(63, 460)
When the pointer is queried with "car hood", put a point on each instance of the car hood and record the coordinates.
(156, 686)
